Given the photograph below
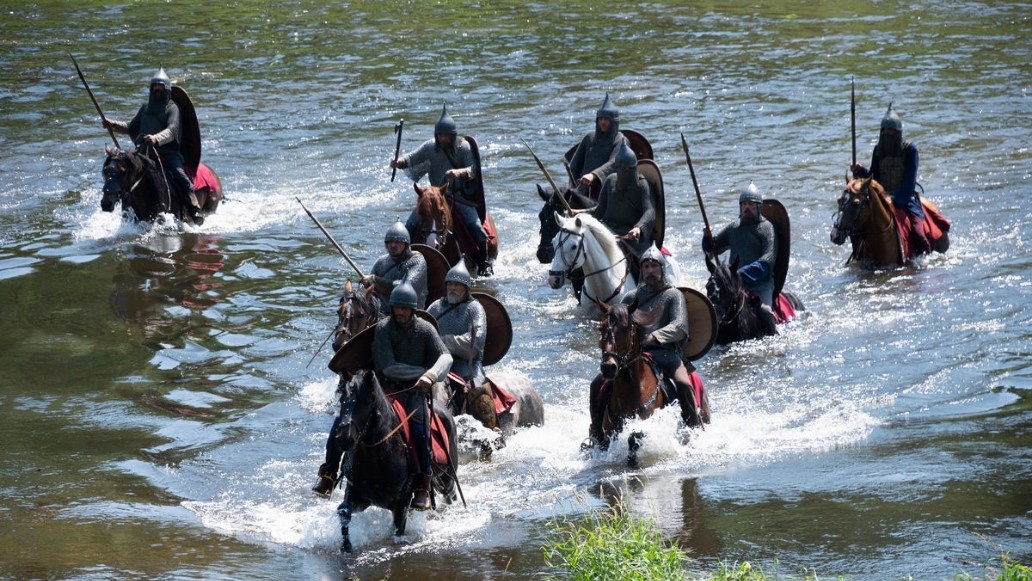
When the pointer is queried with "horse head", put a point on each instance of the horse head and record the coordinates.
(120, 170)
(356, 311)
(567, 249)
(853, 203)
(549, 227)
(434, 213)
(362, 405)
(724, 288)
(618, 338)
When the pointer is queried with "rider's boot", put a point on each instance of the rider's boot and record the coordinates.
(327, 480)
(918, 237)
(421, 494)
(767, 318)
(484, 266)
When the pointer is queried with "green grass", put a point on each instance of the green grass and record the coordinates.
(611, 544)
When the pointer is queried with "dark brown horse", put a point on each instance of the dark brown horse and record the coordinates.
(378, 467)
(357, 310)
(138, 182)
(739, 313)
(634, 390)
(868, 218)
(438, 227)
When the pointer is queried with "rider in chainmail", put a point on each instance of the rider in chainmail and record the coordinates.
(595, 157)
(447, 157)
(752, 243)
(409, 356)
(663, 316)
(626, 206)
(399, 263)
(894, 165)
(157, 125)
(462, 323)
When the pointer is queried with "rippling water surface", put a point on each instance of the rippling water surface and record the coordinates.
(161, 414)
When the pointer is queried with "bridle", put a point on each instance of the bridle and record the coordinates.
(632, 354)
(579, 256)
(731, 314)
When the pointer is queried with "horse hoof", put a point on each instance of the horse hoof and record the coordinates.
(345, 547)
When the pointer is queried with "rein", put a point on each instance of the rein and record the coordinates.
(581, 252)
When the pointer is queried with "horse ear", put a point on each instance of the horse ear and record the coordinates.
(347, 286)
(578, 222)
(542, 194)
(444, 188)
(632, 307)
(603, 306)
(710, 266)
(734, 265)
(559, 219)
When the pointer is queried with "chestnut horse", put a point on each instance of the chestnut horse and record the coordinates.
(867, 216)
(138, 182)
(634, 390)
(439, 226)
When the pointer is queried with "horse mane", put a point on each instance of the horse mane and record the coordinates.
(368, 394)
(602, 235)
(432, 203)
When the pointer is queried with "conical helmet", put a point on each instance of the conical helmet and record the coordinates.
(655, 254)
(608, 109)
(445, 124)
(397, 233)
(751, 194)
(403, 295)
(891, 120)
(459, 274)
(161, 78)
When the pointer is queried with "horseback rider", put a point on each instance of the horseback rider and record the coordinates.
(399, 263)
(157, 125)
(894, 165)
(595, 157)
(462, 322)
(752, 243)
(664, 327)
(626, 207)
(447, 158)
(410, 357)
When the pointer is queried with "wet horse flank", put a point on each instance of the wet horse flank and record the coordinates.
(139, 184)
(437, 226)
(634, 389)
(377, 464)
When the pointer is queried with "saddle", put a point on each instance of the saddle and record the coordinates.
(439, 446)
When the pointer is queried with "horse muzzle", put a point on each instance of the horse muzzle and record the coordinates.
(556, 279)
(545, 253)
(608, 369)
(838, 236)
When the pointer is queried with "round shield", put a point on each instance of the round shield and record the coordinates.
(190, 131)
(775, 211)
(436, 269)
(650, 171)
(702, 324)
(357, 353)
(478, 192)
(499, 328)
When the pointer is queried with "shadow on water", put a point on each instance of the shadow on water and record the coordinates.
(164, 281)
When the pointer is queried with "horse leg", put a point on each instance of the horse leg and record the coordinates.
(400, 512)
(344, 514)
(633, 445)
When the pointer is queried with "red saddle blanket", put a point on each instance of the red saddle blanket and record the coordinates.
(203, 178)
(693, 378)
(467, 245)
(935, 225)
(439, 448)
(503, 400)
(783, 309)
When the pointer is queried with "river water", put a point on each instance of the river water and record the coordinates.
(162, 419)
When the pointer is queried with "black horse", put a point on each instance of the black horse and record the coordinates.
(549, 227)
(357, 310)
(138, 183)
(739, 313)
(378, 467)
